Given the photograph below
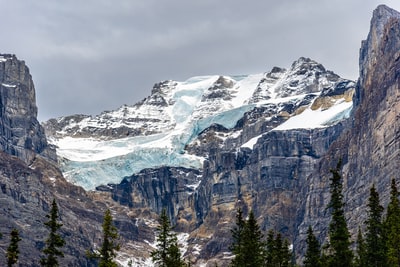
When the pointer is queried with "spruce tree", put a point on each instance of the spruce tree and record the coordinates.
(277, 250)
(12, 250)
(339, 236)
(167, 252)
(374, 240)
(109, 246)
(392, 227)
(237, 244)
(54, 241)
(283, 255)
(361, 259)
(312, 257)
(253, 245)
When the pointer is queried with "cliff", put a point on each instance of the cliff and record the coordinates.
(20, 132)
(255, 149)
(370, 148)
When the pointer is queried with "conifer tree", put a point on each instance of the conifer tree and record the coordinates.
(109, 246)
(361, 259)
(270, 258)
(312, 257)
(392, 227)
(167, 253)
(277, 250)
(374, 240)
(54, 242)
(253, 245)
(339, 236)
(12, 250)
(237, 236)
(282, 252)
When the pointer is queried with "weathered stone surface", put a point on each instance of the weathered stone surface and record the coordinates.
(283, 178)
(26, 193)
(20, 132)
(370, 148)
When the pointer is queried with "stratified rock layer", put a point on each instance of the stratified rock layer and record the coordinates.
(20, 132)
(282, 175)
(370, 148)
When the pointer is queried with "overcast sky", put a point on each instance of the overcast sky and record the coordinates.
(94, 55)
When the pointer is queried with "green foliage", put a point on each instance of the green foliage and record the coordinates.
(12, 250)
(339, 236)
(361, 259)
(247, 247)
(392, 227)
(109, 246)
(312, 257)
(253, 247)
(277, 250)
(54, 241)
(374, 241)
(237, 236)
(250, 249)
(167, 253)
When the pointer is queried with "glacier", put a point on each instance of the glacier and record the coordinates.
(177, 112)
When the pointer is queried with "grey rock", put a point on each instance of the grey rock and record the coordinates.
(20, 132)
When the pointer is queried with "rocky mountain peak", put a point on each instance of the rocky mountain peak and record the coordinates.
(20, 133)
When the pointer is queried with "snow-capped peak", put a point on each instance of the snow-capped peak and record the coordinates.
(155, 131)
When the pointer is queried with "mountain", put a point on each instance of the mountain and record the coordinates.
(203, 148)
(21, 134)
(370, 147)
(30, 179)
(163, 129)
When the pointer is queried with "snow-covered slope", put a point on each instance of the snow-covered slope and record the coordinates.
(154, 132)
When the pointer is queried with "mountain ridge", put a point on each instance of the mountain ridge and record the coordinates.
(282, 174)
(163, 125)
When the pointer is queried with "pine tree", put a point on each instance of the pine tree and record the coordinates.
(167, 253)
(270, 258)
(339, 236)
(109, 246)
(392, 227)
(253, 246)
(312, 257)
(277, 250)
(374, 240)
(12, 250)
(54, 241)
(282, 251)
(361, 259)
(237, 236)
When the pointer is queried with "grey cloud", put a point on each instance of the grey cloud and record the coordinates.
(95, 55)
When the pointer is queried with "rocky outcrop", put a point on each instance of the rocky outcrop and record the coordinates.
(30, 179)
(20, 132)
(370, 148)
(169, 188)
(282, 175)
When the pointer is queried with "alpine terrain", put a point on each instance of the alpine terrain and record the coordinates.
(201, 149)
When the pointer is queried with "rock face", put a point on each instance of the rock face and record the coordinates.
(30, 179)
(26, 193)
(20, 132)
(284, 176)
(263, 161)
(370, 148)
